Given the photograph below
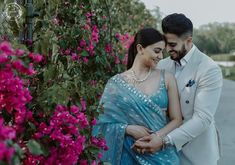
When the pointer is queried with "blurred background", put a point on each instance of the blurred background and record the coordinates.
(80, 39)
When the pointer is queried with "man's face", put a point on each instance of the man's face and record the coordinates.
(176, 46)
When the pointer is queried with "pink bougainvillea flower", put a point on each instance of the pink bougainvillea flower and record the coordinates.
(93, 122)
(4, 58)
(82, 43)
(85, 59)
(108, 48)
(19, 52)
(6, 47)
(83, 103)
(74, 57)
(35, 57)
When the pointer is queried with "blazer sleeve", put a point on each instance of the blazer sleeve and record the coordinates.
(205, 105)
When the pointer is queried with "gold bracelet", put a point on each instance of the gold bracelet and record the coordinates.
(163, 145)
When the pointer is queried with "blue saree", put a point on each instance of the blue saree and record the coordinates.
(125, 105)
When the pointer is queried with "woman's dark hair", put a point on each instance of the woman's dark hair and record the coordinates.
(177, 24)
(144, 37)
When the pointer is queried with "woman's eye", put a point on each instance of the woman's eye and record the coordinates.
(157, 52)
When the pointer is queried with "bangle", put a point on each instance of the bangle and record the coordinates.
(162, 139)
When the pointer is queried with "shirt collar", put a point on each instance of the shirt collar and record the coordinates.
(186, 58)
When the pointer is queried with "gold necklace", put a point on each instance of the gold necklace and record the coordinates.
(140, 80)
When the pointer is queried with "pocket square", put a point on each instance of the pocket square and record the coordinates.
(190, 83)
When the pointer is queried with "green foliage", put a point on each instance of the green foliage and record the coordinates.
(128, 15)
(223, 57)
(60, 79)
(215, 38)
(34, 147)
(230, 70)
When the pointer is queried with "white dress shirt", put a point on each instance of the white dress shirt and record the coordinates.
(179, 66)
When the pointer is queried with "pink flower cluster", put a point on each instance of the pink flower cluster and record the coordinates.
(63, 130)
(126, 40)
(85, 162)
(35, 57)
(14, 95)
(99, 142)
(64, 138)
(6, 133)
(88, 44)
(108, 48)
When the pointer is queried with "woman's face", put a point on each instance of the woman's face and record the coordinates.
(152, 54)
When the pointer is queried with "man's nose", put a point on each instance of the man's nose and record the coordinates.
(168, 48)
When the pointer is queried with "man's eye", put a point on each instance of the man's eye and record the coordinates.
(172, 45)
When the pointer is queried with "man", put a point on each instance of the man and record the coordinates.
(199, 82)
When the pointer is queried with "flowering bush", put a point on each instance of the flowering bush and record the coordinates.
(14, 97)
(60, 137)
(48, 101)
(6, 134)
(63, 137)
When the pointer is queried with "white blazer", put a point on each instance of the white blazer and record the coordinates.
(197, 137)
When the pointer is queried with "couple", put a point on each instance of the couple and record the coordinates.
(144, 106)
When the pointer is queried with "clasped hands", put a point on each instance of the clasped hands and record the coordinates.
(146, 140)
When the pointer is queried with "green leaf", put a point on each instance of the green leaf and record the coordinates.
(3, 163)
(7, 117)
(84, 53)
(32, 125)
(19, 151)
(50, 73)
(15, 160)
(34, 147)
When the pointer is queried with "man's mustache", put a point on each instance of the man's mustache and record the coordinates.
(172, 51)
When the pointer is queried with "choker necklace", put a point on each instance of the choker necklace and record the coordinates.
(140, 80)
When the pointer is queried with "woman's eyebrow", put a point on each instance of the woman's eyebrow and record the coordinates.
(157, 48)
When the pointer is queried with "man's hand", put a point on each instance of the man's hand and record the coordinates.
(149, 144)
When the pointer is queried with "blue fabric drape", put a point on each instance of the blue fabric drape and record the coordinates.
(125, 105)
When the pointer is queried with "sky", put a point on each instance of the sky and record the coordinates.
(199, 11)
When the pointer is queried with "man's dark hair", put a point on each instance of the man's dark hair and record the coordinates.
(177, 24)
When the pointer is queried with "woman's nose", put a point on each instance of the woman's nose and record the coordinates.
(160, 56)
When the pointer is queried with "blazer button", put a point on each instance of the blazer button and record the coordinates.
(186, 101)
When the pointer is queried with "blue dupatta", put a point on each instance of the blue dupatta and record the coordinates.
(125, 105)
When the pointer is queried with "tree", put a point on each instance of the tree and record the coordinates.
(216, 38)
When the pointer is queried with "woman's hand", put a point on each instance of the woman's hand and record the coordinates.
(137, 131)
(149, 144)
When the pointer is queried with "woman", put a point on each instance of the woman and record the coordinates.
(138, 102)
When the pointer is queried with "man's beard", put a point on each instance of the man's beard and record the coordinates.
(180, 54)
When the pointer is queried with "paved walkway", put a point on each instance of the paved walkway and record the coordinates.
(225, 120)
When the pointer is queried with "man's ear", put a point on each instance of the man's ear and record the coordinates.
(139, 48)
(189, 40)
